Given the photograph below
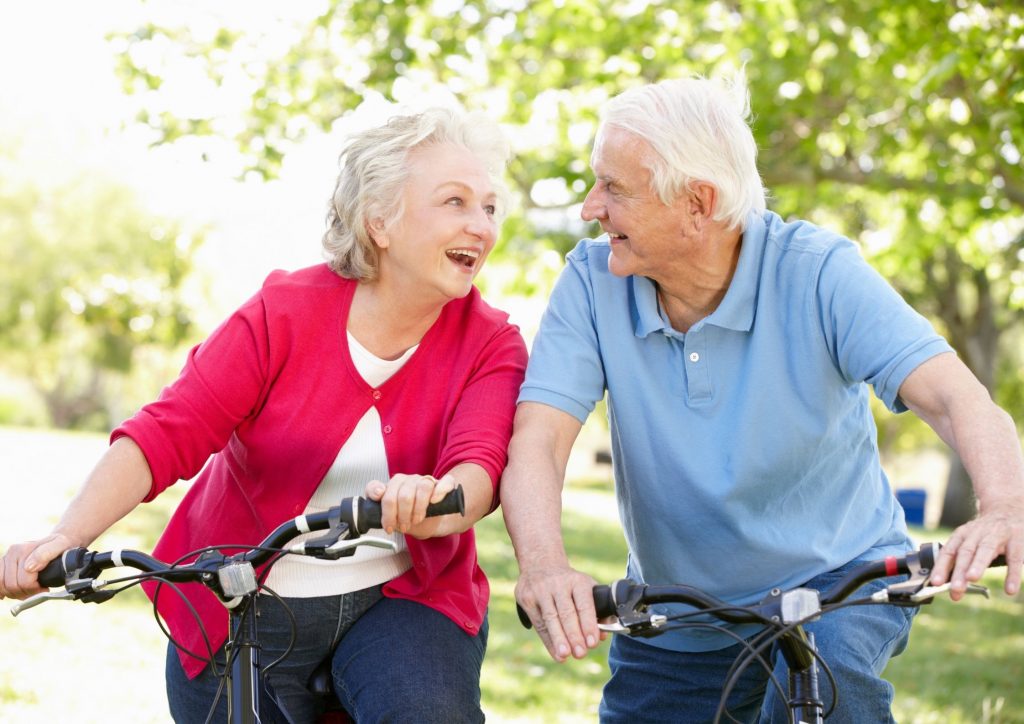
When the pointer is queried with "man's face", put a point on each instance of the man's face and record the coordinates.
(647, 237)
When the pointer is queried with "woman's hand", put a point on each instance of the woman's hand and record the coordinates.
(20, 566)
(404, 500)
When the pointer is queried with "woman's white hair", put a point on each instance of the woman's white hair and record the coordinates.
(698, 129)
(374, 170)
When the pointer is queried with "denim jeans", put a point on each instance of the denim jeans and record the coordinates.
(391, 660)
(658, 685)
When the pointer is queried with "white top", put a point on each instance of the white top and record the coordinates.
(360, 460)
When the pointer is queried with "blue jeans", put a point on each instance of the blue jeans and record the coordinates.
(391, 660)
(659, 685)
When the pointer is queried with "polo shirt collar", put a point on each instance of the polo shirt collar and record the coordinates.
(737, 308)
(647, 316)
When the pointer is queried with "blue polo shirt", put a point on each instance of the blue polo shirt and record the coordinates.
(744, 451)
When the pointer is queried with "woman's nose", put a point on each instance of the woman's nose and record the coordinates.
(482, 225)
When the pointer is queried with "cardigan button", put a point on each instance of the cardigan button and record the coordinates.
(376, 394)
(387, 429)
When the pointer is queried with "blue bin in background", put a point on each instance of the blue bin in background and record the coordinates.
(912, 500)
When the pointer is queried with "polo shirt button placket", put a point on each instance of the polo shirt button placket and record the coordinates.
(698, 380)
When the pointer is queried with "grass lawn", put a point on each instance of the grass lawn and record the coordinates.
(964, 664)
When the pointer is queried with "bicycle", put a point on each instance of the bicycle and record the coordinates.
(781, 613)
(233, 578)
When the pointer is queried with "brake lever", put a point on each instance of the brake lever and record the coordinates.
(931, 591)
(636, 625)
(341, 548)
(33, 601)
(927, 593)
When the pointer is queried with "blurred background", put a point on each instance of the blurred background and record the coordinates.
(158, 159)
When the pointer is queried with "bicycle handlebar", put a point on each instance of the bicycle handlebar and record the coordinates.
(626, 596)
(358, 514)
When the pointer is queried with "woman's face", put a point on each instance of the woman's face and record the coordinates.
(447, 228)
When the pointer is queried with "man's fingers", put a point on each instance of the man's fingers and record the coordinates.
(561, 606)
(1014, 562)
(553, 633)
(944, 564)
(583, 597)
(972, 548)
(983, 556)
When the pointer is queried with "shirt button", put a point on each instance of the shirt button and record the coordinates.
(694, 357)
(376, 394)
(387, 429)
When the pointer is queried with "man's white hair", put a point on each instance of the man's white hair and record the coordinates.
(698, 130)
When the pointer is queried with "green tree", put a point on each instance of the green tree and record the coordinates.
(90, 282)
(895, 123)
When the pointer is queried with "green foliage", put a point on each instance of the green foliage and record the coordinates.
(90, 280)
(897, 124)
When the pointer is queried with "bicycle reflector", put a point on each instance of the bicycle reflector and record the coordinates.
(237, 579)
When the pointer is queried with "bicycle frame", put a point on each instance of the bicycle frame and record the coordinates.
(244, 654)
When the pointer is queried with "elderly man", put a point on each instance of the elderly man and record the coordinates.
(736, 349)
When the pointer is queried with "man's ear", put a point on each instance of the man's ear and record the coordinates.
(703, 199)
(377, 230)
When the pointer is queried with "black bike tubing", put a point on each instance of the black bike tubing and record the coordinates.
(243, 674)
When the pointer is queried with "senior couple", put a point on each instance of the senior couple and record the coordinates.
(735, 348)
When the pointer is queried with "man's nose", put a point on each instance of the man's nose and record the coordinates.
(593, 205)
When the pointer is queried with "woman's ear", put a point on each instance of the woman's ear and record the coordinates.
(377, 230)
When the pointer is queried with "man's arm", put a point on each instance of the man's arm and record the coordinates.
(558, 599)
(946, 395)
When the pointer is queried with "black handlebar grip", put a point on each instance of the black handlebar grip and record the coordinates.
(524, 618)
(54, 573)
(370, 511)
(927, 554)
(604, 603)
(929, 551)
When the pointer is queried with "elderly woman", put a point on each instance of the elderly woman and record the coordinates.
(382, 373)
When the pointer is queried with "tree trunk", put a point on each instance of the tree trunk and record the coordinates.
(958, 505)
(978, 346)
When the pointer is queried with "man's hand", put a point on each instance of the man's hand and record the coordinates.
(972, 546)
(560, 603)
(947, 395)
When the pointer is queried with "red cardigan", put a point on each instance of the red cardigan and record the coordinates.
(273, 395)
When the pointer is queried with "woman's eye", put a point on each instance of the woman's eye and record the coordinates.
(454, 201)
(491, 209)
